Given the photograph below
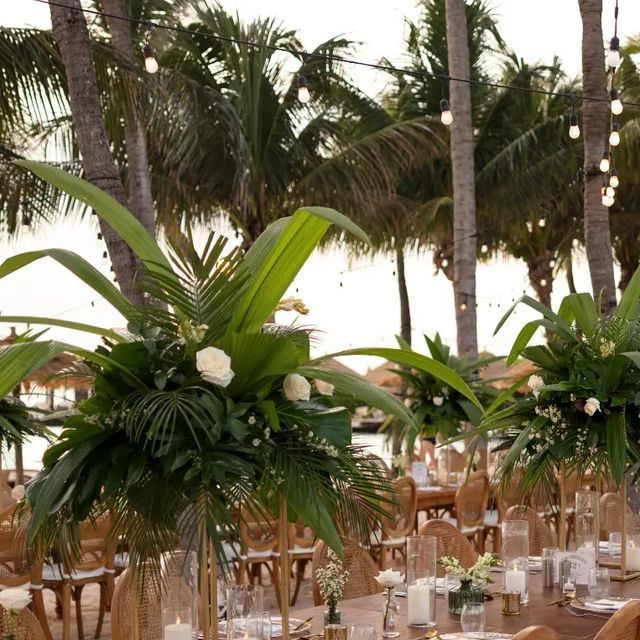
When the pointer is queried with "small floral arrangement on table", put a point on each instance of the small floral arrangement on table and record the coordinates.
(13, 600)
(478, 574)
(389, 580)
(332, 579)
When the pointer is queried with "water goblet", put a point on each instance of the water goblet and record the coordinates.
(473, 617)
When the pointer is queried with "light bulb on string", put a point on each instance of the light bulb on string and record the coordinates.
(608, 201)
(542, 222)
(616, 105)
(613, 55)
(445, 263)
(610, 191)
(614, 136)
(614, 181)
(543, 282)
(552, 263)
(105, 257)
(463, 306)
(303, 90)
(484, 248)
(150, 62)
(445, 112)
(574, 128)
(604, 163)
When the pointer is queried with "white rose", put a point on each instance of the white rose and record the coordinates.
(389, 578)
(296, 387)
(324, 388)
(437, 400)
(591, 406)
(535, 383)
(214, 366)
(17, 493)
(15, 598)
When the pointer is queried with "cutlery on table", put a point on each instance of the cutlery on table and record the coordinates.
(299, 626)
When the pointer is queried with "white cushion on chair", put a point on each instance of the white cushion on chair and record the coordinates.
(121, 560)
(465, 529)
(300, 550)
(258, 555)
(375, 537)
(394, 541)
(53, 573)
(491, 518)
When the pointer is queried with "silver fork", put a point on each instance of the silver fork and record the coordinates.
(573, 612)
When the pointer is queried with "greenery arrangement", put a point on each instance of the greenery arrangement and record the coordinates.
(584, 403)
(438, 408)
(478, 574)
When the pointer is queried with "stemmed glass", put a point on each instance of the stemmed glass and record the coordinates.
(473, 617)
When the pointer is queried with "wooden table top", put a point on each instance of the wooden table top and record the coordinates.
(433, 497)
(368, 610)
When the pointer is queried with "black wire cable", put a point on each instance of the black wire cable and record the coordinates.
(302, 54)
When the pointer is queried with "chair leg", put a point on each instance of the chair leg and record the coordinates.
(66, 610)
(275, 579)
(301, 566)
(103, 605)
(480, 539)
(77, 593)
(41, 614)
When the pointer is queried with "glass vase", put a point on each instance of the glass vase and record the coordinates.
(515, 557)
(587, 520)
(179, 574)
(332, 615)
(245, 606)
(465, 592)
(390, 614)
(421, 581)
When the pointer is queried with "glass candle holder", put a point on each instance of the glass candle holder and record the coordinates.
(177, 623)
(510, 603)
(245, 606)
(515, 557)
(548, 566)
(421, 581)
(179, 572)
(587, 522)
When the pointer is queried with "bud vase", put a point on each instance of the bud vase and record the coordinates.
(460, 595)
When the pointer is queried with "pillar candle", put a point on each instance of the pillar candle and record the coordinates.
(515, 581)
(418, 604)
(633, 558)
(178, 631)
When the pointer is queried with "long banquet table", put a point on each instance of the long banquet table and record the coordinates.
(368, 610)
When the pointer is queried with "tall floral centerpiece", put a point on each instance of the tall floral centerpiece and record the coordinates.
(472, 580)
(332, 579)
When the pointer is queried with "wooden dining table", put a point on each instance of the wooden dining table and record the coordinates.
(368, 610)
(435, 501)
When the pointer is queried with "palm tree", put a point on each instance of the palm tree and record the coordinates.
(463, 175)
(594, 118)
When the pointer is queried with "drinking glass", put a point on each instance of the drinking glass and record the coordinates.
(244, 611)
(473, 617)
(599, 582)
(615, 544)
(362, 632)
(587, 523)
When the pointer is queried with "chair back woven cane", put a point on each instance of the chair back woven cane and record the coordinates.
(449, 541)
(540, 535)
(401, 515)
(149, 612)
(536, 632)
(258, 531)
(623, 625)
(472, 499)
(16, 567)
(25, 627)
(611, 516)
(362, 571)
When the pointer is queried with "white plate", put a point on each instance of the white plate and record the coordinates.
(477, 635)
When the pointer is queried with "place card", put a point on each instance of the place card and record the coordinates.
(581, 561)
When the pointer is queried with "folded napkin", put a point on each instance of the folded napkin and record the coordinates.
(605, 604)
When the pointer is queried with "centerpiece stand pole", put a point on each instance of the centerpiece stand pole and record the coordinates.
(133, 595)
(204, 583)
(283, 549)
(213, 588)
(562, 516)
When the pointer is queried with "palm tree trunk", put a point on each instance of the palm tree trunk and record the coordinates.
(71, 34)
(405, 307)
(138, 171)
(541, 279)
(594, 119)
(462, 163)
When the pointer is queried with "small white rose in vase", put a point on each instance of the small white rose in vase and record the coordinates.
(389, 579)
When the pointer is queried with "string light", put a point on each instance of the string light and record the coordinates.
(445, 263)
(614, 137)
(616, 104)
(484, 248)
(610, 192)
(542, 222)
(613, 55)
(552, 263)
(543, 282)
(604, 163)
(150, 62)
(613, 179)
(303, 90)
(105, 257)
(574, 127)
(463, 306)
(445, 112)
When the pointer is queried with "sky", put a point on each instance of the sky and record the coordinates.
(353, 304)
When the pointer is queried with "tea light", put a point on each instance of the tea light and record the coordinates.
(178, 631)
(418, 604)
(511, 603)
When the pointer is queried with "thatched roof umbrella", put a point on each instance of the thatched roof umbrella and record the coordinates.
(385, 376)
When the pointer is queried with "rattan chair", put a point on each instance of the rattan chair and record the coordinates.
(399, 520)
(611, 516)
(470, 505)
(362, 571)
(623, 625)
(536, 632)
(449, 541)
(95, 566)
(17, 567)
(25, 627)
(540, 535)
(149, 612)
